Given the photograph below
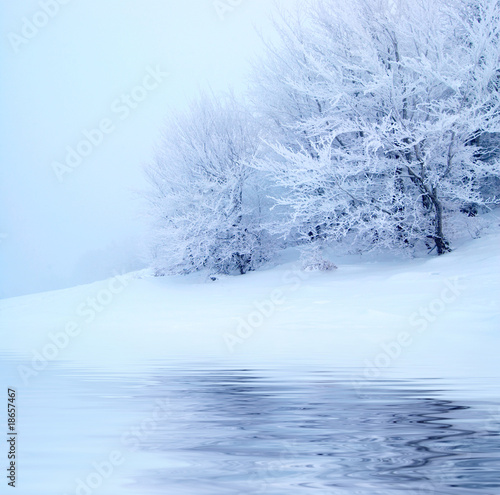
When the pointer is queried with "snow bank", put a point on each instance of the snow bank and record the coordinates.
(434, 314)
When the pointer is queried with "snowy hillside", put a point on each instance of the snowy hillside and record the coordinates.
(435, 313)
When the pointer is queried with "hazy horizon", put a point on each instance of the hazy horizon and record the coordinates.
(71, 68)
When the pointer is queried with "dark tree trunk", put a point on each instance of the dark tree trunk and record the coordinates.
(442, 245)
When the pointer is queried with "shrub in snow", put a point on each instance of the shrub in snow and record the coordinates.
(313, 260)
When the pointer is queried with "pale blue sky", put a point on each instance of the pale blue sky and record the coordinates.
(69, 76)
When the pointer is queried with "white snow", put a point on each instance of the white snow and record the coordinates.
(358, 317)
(368, 314)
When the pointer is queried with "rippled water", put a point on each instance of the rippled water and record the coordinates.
(204, 428)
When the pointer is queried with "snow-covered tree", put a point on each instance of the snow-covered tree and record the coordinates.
(279, 105)
(205, 200)
(410, 103)
(277, 101)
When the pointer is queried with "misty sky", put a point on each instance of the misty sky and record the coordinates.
(122, 65)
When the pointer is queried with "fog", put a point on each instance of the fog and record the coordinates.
(85, 90)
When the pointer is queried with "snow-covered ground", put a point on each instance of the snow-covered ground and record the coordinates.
(404, 338)
(440, 314)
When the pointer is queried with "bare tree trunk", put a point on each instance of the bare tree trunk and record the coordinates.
(430, 197)
(442, 245)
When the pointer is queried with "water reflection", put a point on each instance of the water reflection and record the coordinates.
(203, 429)
(249, 431)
